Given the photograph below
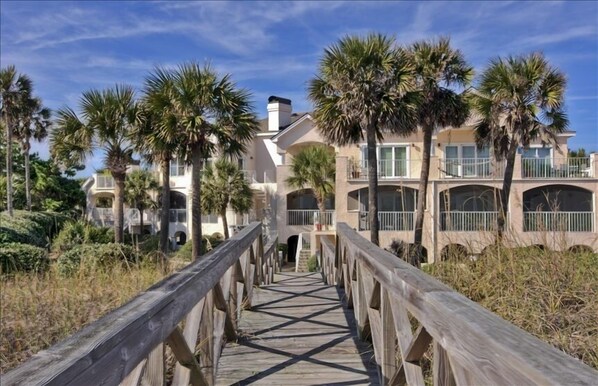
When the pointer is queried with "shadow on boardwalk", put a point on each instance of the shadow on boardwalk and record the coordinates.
(297, 333)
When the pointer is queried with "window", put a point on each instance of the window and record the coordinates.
(209, 219)
(177, 168)
(536, 152)
(392, 160)
(467, 160)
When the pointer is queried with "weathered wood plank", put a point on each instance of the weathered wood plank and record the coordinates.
(177, 342)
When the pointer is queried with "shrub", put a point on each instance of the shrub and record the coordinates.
(81, 232)
(23, 257)
(185, 251)
(149, 243)
(34, 228)
(312, 264)
(88, 257)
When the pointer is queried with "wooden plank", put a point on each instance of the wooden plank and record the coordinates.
(442, 373)
(134, 378)
(411, 371)
(153, 374)
(221, 304)
(418, 346)
(389, 352)
(177, 342)
(181, 373)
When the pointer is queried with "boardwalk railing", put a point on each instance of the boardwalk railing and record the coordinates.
(471, 345)
(127, 344)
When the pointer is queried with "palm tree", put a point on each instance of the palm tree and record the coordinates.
(138, 185)
(520, 99)
(108, 117)
(439, 69)
(224, 185)
(34, 121)
(205, 112)
(364, 89)
(152, 145)
(14, 90)
(314, 167)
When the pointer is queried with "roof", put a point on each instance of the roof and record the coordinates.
(294, 122)
(263, 123)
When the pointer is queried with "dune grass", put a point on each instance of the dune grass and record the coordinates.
(552, 295)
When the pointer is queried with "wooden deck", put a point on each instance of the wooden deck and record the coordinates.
(297, 333)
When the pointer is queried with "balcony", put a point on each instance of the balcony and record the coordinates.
(258, 178)
(104, 181)
(558, 221)
(389, 221)
(556, 167)
(309, 217)
(387, 169)
(102, 216)
(484, 168)
(178, 216)
(468, 221)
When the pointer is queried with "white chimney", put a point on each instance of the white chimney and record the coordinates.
(279, 113)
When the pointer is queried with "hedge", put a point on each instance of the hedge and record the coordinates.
(91, 256)
(34, 228)
(15, 257)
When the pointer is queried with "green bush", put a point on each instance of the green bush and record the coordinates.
(185, 251)
(312, 264)
(92, 256)
(81, 232)
(149, 243)
(34, 228)
(23, 257)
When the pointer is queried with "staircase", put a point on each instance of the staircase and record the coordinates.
(302, 263)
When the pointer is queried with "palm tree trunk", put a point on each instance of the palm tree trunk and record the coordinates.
(141, 221)
(9, 199)
(322, 209)
(196, 163)
(422, 193)
(119, 193)
(165, 214)
(27, 175)
(506, 191)
(225, 224)
(373, 186)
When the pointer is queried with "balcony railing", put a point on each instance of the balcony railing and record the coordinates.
(387, 169)
(178, 216)
(249, 176)
(389, 221)
(579, 167)
(104, 182)
(558, 221)
(471, 168)
(468, 221)
(309, 217)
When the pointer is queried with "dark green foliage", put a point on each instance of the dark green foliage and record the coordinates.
(81, 232)
(208, 243)
(312, 264)
(16, 257)
(149, 243)
(34, 228)
(92, 256)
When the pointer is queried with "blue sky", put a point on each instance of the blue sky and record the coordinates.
(272, 48)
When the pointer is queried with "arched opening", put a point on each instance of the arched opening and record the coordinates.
(558, 208)
(580, 249)
(302, 208)
(396, 207)
(469, 208)
(292, 247)
(178, 207)
(454, 252)
(405, 250)
(180, 238)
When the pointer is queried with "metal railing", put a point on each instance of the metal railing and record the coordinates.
(310, 217)
(579, 167)
(468, 221)
(178, 215)
(471, 168)
(558, 221)
(389, 221)
(104, 182)
(393, 168)
(102, 216)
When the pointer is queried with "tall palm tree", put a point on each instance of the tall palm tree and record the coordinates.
(138, 186)
(14, 90)
(107, 119)
(205, 112)
(34, 122)
(224, 185)
(439, 70)
(155, 148)
(363, 89)
(314, 167)
(520, 99)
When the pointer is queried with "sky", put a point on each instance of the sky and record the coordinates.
(273, 48)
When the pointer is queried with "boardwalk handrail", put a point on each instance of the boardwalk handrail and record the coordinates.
(471, 345)
(128, 343)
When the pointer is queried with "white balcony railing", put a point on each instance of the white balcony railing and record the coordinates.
(389, 221)
(471, 168)
(387, 169)
(178, 216)
(249, 176)
(310, 217)
(102, 216)
(468, 221)
(558, 221)
(104, 182)
(579, 167)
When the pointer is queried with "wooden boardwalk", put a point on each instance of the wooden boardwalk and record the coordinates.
(297, 333)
